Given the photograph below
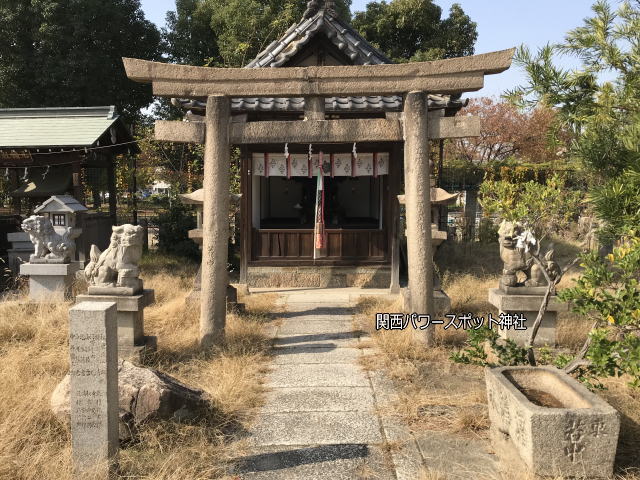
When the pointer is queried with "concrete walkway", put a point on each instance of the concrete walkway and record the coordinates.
(320, 420)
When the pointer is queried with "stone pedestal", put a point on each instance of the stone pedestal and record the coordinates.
(132, 342)
(50, 283)
(526, 301)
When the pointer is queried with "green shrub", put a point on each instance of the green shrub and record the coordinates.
(173, 231)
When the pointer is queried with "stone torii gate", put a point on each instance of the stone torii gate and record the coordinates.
(219, 131)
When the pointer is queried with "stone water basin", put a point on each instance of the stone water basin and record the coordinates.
(553, 423)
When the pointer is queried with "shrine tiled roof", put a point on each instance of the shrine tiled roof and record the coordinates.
(341, 34)
(332, 104)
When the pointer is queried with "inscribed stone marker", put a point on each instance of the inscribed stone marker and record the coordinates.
(93, 350)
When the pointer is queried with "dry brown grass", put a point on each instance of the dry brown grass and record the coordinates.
(34, 358)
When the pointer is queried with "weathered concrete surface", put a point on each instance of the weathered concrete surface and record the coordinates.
(454, 75)
(576, 438)
(418, 207)
(93, 389)
(215, 222)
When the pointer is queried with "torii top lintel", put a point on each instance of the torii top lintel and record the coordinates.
(451, 76)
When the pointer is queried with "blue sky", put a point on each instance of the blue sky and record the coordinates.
(501, 24)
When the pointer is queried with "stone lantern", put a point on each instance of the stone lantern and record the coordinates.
(52, 231)
(61, 210)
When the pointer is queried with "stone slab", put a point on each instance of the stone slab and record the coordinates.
(319, 311)
(49, 269)
(134, 303)
(334, 299)
(320, 399)
(456, 457)
(93, 389)
(320, 340)
(317, 428)
(302, 326)
(317, 375)
(405, 454)
(318, 462)
(523, 303)
(300, 355)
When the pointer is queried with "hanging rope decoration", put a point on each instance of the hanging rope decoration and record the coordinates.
(287, 159)
(25, 177)
(309, 161)
(44, 175)
(6, 173)
(354, 159)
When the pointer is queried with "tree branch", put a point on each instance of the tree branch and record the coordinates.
(580, 361)
(551, 290)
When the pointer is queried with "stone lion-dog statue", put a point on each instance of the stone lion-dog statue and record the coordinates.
(517, 259)
(50, 247)
(117, 267)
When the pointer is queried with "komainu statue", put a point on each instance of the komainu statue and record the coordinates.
(517, 258)
(50, 247)
(115, 271)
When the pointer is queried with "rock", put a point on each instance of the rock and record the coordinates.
(144, 394)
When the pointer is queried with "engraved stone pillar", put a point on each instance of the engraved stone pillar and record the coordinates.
(93, 350)
(418, 207)
(215, 221)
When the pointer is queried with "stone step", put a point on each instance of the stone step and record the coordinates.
(320, 399)
(318, 340)
(302, 326)
(319, 462)
(316, 428)
(301, 354)
(317, 375)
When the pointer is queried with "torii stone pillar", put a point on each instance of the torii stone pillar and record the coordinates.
(215, 221)
(418, 206)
